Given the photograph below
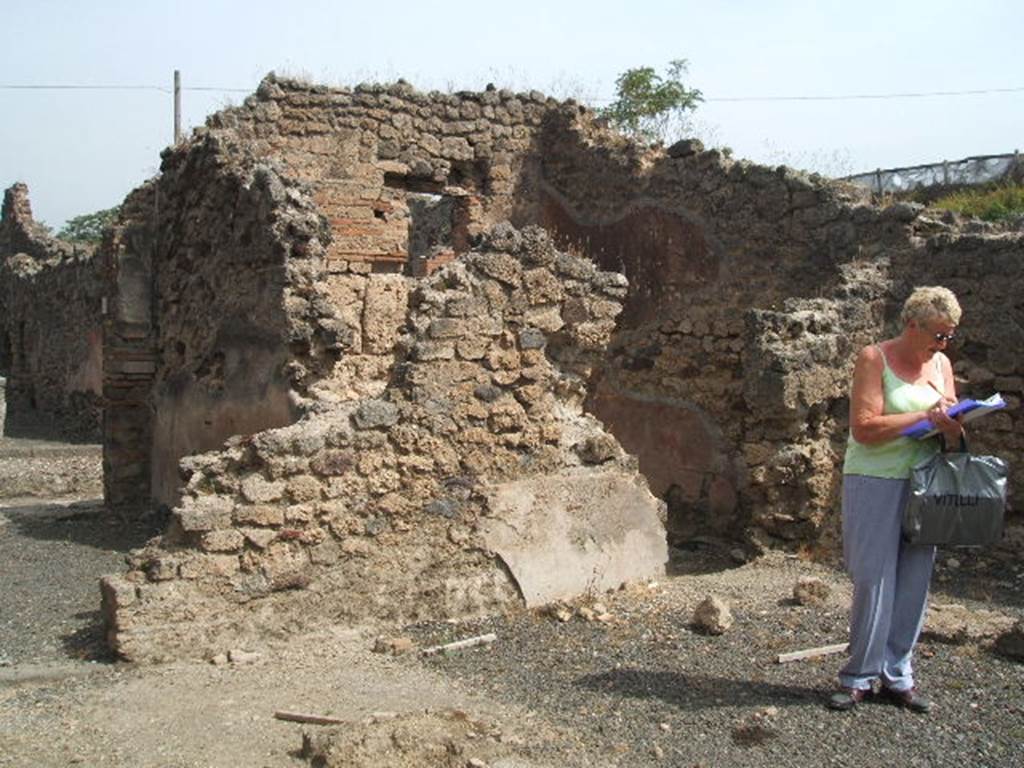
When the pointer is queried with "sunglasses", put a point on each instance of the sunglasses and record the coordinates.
(946, 337)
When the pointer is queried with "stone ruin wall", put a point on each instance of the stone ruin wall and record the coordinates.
(713, 249)
(402, 182)
(750, 290)
(985, 268)
(50, 329)
(468, 484)
(702, 240)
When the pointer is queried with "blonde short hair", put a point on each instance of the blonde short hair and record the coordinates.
(931, 302)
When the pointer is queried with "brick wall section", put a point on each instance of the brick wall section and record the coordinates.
(50, 329)
(364, 150)
(129, 355)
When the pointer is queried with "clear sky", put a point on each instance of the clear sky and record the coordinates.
(81, 150)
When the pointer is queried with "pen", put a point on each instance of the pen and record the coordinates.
(932, 385)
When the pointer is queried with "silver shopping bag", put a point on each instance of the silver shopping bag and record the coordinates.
(956, 498)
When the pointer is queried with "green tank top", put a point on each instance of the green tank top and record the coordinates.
(894, 458)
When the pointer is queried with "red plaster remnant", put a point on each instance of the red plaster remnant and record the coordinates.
(662, 253)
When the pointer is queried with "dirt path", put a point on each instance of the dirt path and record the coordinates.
(199, 714)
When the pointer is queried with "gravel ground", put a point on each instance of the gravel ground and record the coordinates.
(648, 690)
(641, 688)
(37, 468)
(51, 555)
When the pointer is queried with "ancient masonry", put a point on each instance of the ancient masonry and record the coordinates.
(362, 395)
(51, 331)
(474, 479)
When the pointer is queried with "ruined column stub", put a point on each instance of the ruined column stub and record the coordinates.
(474, 480)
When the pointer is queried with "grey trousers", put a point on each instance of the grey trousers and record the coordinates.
(890, 583)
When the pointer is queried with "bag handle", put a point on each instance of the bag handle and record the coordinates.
(963, 443)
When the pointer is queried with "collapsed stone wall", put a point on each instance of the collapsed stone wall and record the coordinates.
(474, 480)
(750, 287)
(50, 329)
(268, 246)
(276, 288)
(701, 238)
(751, 290)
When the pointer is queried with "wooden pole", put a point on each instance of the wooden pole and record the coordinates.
(302, 717)
(177, 106)
(811, 653)
(460, 644)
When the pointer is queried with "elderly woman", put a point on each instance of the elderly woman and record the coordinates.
(895, 384)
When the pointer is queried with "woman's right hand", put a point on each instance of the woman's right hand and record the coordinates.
(952, 430)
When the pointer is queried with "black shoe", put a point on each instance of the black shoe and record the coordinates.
(909, 699)
(846, 699)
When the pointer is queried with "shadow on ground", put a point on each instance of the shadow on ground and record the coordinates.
(88, 642)
(87, 522)
(697, 692)
(698, 557)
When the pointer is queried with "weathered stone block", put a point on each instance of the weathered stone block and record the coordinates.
(425, 351)
(204, 513)
(472, 348)
(258, 537)
(446, 328)
(207, 566)
(356, 547)
(507, 416)
(259, 514)
(230, 540)
(500, 266)
(532, 338)
(116, 593)
(384, 312)
(456, 148)
(304, 488)
(375, 414)
(713, 616)
(810, 590)
(547, 319)
(163, 568)
(333, 462)
(299, 514)
(685, 148)
(542, 287)
(598, 449)
(258, 490)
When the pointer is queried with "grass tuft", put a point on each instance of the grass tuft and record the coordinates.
(993, 204)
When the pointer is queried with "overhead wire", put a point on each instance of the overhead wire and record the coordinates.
(818, 97)
(864, 96)
(162, 89)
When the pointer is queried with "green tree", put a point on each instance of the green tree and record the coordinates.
(88, 228)
(648, 105)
